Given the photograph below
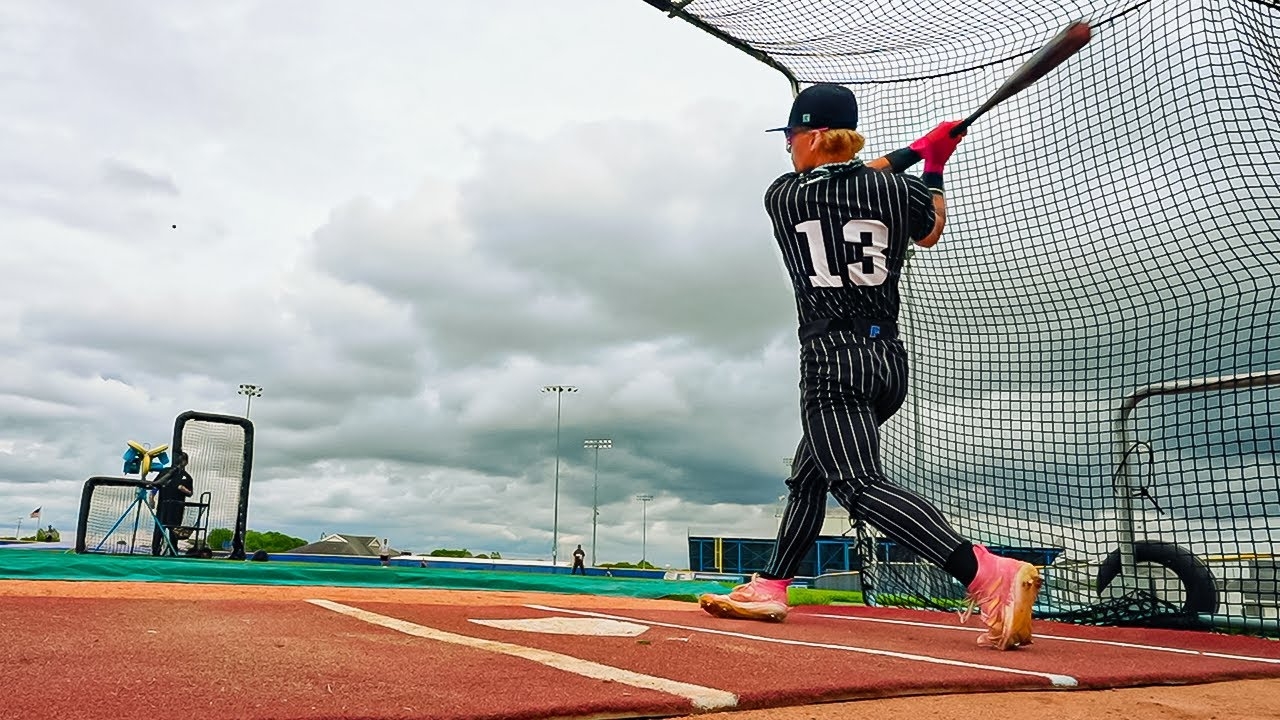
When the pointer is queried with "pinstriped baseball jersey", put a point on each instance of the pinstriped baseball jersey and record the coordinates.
(843, 230)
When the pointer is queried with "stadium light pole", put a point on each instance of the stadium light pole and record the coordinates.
(559, 390)
(644, 499)
(597, 444)
(250, 392)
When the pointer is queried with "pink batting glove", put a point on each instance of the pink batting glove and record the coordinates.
(936, 147)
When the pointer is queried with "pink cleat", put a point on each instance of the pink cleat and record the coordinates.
(1003, 591)
(759, 599)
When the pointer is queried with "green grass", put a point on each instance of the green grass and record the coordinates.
(811, 596)
(915, 602)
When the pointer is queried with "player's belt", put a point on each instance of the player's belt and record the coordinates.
(878, 329)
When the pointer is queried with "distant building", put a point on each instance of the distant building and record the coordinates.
(347, 546)
(738, 555)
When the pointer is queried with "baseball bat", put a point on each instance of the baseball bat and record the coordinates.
(1062, 46)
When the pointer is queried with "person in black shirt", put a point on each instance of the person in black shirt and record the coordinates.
(578, 559)
(174, 486)
(843, 228)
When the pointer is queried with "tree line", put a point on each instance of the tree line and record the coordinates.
(49, 534)
(270, 541)
(277, 542)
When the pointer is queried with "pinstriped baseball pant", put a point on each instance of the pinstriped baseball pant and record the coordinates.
(850, 385)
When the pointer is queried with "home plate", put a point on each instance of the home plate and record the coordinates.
(601, 627)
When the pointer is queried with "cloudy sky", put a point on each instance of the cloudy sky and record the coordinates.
(400, 219)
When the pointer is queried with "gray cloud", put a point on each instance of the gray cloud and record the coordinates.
(584, 239)
(127, 177)
(402, 383)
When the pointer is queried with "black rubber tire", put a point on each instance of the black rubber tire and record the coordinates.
(1197, 582)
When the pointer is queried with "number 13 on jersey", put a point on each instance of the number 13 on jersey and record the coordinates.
(871, 237)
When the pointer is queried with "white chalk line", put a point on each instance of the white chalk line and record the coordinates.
(1057, 680)
(703, 698)
(1065, 638)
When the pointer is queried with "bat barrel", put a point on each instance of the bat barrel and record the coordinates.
(1057, 50)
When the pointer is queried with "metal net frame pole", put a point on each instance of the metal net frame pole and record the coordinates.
(559, 390)
(596, 444)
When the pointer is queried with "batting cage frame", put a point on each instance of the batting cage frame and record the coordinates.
(219, 450)
(1094, 374)
(220, 459)
(118, 517)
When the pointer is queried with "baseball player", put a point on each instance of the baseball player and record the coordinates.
(843, 227)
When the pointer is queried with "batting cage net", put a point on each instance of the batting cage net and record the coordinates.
(1094, 371)
(118, 516)
(219, 449)
(133, 516)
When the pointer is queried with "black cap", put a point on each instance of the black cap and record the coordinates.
(824, 105)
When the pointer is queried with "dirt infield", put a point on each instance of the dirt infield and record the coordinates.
(407, 596)
(1237, 700)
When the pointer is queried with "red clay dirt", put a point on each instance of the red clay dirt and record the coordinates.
(1238, 700)
(152, 650)
(703, 658)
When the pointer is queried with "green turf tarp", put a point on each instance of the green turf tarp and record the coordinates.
(52, 565)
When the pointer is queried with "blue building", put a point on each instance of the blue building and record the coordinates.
(830, 554)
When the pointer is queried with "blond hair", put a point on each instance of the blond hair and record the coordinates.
(840, 142)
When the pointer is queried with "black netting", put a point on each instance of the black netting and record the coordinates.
(117, 517)
(220, 448)
(888, 40)
(1111, 228)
